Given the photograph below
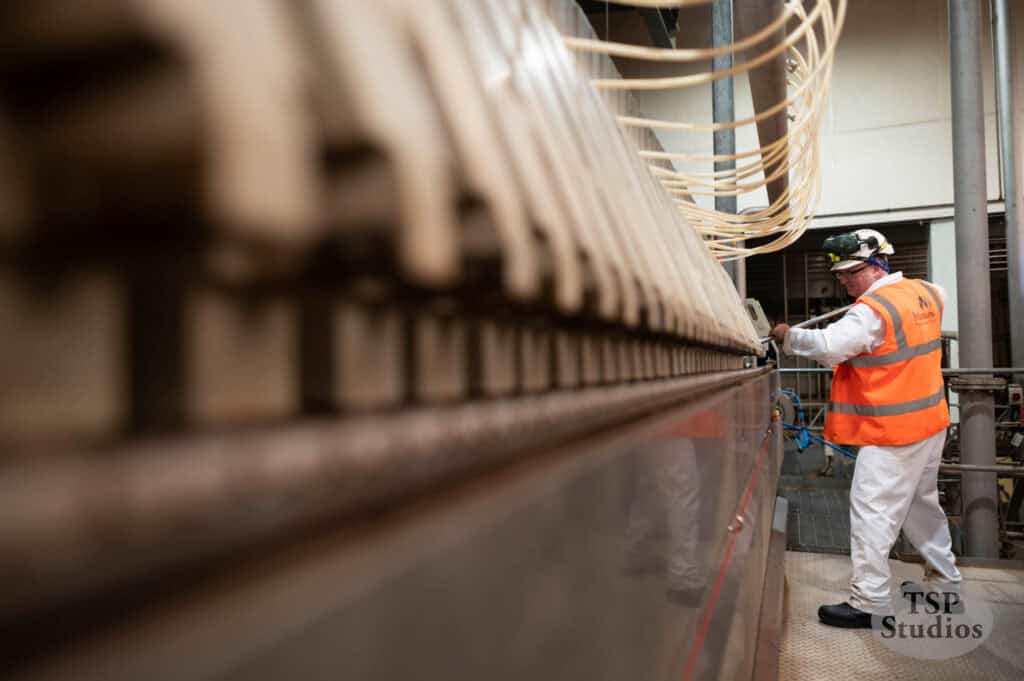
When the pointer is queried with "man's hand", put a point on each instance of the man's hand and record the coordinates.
(779, 332)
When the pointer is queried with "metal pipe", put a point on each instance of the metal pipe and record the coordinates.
(785, 291)
(977, 415)
(741, 276)
(723, 109)
(994, 370)
(823, 317)
(1013, 193)
(807, 289)
(1001, 471)
(815, 320)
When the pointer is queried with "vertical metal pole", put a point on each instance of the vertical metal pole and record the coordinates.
(1013, 193)
(785, 291)
(723, 108)
(977, 417)
(802, 362)
(807, 290)
(785, 303)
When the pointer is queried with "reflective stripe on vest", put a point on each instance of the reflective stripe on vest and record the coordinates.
(894, 314)
(904, 352)
(898, 356)
(888, 409)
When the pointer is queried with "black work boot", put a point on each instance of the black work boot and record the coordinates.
(844, 615)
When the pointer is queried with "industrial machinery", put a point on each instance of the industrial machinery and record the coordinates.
(1009, 436)
(357, 340)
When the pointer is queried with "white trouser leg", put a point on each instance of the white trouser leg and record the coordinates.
(885, 484)
(926, 525)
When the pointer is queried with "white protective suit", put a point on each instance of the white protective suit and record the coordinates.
(893, 486)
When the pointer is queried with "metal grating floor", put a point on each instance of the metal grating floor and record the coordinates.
(811, 651)
(819, 507)
(818, 518)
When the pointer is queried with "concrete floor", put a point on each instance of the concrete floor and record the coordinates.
(811, 651)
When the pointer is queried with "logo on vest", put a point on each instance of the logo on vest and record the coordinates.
(925, 312)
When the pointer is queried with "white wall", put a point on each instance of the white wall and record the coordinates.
(888, 138)
(693, 104)
(887, 132)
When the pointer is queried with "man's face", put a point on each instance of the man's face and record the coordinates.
(857, 279)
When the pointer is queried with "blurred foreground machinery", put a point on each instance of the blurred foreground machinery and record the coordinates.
(353, 340)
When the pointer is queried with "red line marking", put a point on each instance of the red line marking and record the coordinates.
(702, 632)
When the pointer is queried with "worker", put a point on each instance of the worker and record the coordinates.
(888, 398)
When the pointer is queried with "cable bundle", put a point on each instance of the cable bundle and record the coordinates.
(809, 44)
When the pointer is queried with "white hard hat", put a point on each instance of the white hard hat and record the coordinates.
(854, 248)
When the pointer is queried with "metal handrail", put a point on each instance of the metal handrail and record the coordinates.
(1004, 471)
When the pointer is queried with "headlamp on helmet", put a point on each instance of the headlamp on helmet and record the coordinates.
(845, 246)
(848, 249)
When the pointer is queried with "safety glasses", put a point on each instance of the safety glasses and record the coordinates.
(844, 274)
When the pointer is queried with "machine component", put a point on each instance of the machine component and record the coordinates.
(494, 575)
(431, 215)
(757, 316)
(336, 329)
(816, 320)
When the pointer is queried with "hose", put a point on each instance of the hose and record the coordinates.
(804, 436)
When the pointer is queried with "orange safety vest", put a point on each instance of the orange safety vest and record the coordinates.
(894, 395)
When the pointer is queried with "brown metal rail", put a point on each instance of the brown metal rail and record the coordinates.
(74, 524)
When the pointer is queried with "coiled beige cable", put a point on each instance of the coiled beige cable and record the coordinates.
(809, 43)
